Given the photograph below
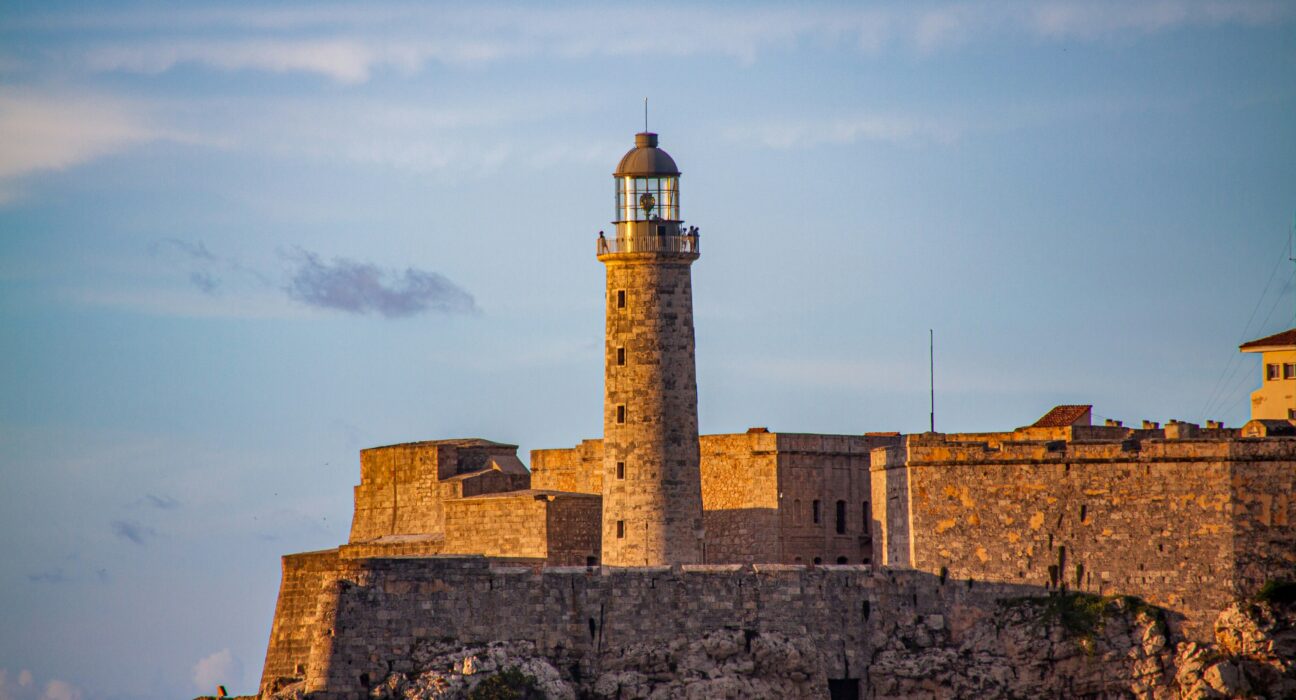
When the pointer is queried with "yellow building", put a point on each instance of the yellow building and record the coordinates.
(1276, 397)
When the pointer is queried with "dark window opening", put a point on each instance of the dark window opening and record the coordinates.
(818, 560)
(843, 689)
(620, 356)
(620, 528)
(620, 470)
(841, 560)
(591, 561)
(593, 628)
(1289, 370)
(841, 517)
(364, 680)
(620, 298)
(866, 517)
(816, 507)
(1272, 372)
(944, 575)
(621, 413)
(1084, 514)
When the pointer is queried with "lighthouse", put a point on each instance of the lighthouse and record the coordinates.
(652, 490)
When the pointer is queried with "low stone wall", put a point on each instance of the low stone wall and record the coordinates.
(376, 617)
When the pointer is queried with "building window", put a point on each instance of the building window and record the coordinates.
(1272, 372)
(1289, 370)
(620, 356)
(620, 298)
(815, 508)
(841, 517)
(867, 516)
(620, 470)
(620, 529)
(620, 418)
(841, 560)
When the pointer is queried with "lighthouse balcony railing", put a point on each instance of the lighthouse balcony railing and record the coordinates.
(649, 243)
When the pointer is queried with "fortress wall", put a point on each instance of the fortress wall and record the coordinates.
(295, 621)
(380, 610)
(398, 491)
(577, 469)
(573, 526)
(1264, 515)
(1156, 521)
(498, 526)
(740, 498)
(828, 469)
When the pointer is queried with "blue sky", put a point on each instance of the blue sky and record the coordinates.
(239, 243)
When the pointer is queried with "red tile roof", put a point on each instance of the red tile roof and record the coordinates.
(1062, 416)
(1287, 337)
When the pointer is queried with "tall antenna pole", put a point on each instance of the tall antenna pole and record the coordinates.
(1291, 255)
(931, 355)
(645, 115)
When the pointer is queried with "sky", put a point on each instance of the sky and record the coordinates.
(240, 242)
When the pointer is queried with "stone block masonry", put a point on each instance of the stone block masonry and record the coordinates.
(652, 494)
(375, 613)
(1185, 524)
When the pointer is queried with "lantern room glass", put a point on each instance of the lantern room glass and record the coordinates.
(647, 198)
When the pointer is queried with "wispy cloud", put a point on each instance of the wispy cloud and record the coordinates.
(161, 502)
(133, 531)
(788, 133)
(53, 132)
(349, 45)
(219, 668)
(363, 288)
(56, 575)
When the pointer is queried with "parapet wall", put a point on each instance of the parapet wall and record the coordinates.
(376, 613)
(1185, 524)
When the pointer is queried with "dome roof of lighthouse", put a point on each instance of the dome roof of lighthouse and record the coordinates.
(646, 159)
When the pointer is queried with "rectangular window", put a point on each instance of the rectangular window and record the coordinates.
(867, 515)
(620, 418)
(620, 470)
(841, 517)
(1272, 372)
(1289, 370)
(620, 298)
(817, 512)
(620, 356)
(620, 529)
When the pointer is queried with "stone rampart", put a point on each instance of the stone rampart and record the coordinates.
(1185, 524)
(374, 617)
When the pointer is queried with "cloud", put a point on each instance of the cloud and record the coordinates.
(349, 45)
(61, 690)
(162, 502)
(363, 288)
(25, 678)
(51, 576)
(57, 132)
(133, 531)
(783, 134)
(220, 668)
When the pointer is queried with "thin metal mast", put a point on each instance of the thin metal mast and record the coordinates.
(931, 355)
(645, 115)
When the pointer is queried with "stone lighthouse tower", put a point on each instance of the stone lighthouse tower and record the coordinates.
(652, 487)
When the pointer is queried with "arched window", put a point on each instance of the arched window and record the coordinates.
(841, 560)
(841, 517)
